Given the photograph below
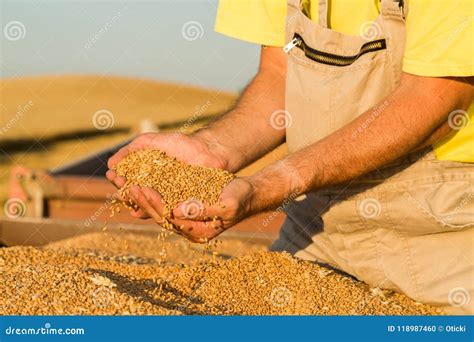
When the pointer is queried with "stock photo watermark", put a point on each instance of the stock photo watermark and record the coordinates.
(47, 329)
(199, 110)
(192, 30)
(14, 30)
(367, 122)
(370, 30)
(369, 208)
(105, 207)
(458, 297)
(281, 208)
(103, 119)
(20, 112)
(280, 297)
(281, 119)
(192, 209)
(458, 119)
(465, 200)
(103, 30)
(457, 32)
(14, 208)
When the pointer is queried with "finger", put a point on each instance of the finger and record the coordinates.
(155, 200)
(123, 195)
(139, 198)
(118, 197)
(110, 175)
(140, 214)
(118, 156)
(119, 182)
(197, 211)
(199, 229)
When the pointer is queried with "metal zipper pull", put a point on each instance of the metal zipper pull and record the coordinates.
(287, 48)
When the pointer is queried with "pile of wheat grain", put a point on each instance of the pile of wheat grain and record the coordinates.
(59, 280)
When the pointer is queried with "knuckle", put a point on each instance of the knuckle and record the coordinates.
(232, 207)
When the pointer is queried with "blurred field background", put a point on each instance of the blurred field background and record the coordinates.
(62, 62)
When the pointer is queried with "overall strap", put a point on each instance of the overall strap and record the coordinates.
(305, 7)
(388, 8)
(323, 13)
(294, 3)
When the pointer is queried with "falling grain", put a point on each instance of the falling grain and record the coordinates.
(175, 181)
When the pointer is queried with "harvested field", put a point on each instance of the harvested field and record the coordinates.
(48, 121)
(48, 106)
(102, 276)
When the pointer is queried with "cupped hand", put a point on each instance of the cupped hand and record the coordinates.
(194, 220)
(189, 149)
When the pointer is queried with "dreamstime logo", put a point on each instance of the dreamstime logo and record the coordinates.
(14, 208)
(103, 119)
(102, 297)
(369, 208)
(280, 208)
(192, 30)
(198, 111)
(457, 31)
(104, 29)
(458, 119)
(14, 30)
(280, 297)
(281, 119)
(21, 110)
(377, 110)
(464, 201)
(107, 205)
(192, 208)
(370, 30)
(458, 297)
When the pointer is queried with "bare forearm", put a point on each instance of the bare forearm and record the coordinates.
(410, 117)
(245, 133)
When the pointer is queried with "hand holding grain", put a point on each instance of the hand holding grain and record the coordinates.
(196, 201)
(188, 149)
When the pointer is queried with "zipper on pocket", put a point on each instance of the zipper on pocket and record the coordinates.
(295, 41)
(329, 58)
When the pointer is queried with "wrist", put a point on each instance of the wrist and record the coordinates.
(265, 196)
(213, 147)
(274, 185)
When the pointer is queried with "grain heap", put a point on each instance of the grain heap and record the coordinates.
(168, 248)
(175, 181)
(58, 280)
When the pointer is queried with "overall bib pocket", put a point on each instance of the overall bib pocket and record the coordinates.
(331, 79)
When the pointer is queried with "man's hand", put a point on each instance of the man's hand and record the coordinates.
(195, 220)
(189, 149)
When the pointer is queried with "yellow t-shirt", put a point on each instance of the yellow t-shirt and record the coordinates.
(440, 42)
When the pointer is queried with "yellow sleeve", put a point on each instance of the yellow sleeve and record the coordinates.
(256, 21)
(440, 38)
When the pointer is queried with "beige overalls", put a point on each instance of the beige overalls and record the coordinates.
(406, 227)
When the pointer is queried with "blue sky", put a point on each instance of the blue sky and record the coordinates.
(127, 38)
